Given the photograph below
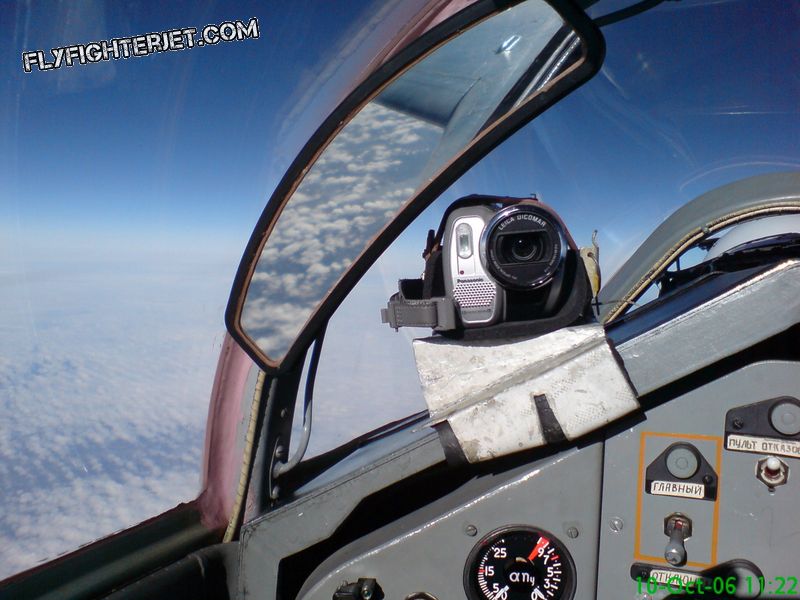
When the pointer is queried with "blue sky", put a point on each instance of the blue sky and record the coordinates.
(690, 97)
(128, 190)
(193, 141)
(185, 138)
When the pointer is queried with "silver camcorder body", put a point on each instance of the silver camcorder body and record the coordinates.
(498, 255)
(497, 268)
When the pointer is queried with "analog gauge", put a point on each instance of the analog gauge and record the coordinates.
(519, 563)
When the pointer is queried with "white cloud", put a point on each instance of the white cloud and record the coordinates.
(105, 378)
(352, 191)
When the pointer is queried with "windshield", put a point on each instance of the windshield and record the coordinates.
(390, 149)
(660, 125)
(691, 96)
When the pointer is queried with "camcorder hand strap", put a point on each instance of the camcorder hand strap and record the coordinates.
(410, 307)
(407, 308)
(422, 302)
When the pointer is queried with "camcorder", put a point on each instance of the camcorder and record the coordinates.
(496, 267)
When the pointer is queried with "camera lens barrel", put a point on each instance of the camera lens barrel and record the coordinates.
(524, 246)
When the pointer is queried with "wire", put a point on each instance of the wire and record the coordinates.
(281, 468)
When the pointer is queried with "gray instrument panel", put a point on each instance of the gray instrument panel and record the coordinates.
(606, 502)
(427, 550)
(747, 520)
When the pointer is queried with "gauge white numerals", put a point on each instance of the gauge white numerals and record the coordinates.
(519, 563)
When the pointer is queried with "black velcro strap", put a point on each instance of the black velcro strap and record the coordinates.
(553, 434)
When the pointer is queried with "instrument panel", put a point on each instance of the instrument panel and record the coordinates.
(527, 533)
(697, 492)
(658, 504)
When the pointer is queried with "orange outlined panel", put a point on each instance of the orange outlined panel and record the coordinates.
(660, 560)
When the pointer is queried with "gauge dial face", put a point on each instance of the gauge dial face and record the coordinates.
(519, 563)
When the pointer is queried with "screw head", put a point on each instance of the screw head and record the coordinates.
(616, 524)
(470, 530)
(366, 593)
(737, 423)
(572, 532)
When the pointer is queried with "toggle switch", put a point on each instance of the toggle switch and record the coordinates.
(772, 471)
(679, 529)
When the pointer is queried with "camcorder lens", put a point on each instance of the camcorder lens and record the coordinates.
(523, 247)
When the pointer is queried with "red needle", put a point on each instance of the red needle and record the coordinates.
(542, 543)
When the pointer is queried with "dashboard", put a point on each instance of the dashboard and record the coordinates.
(694, 496)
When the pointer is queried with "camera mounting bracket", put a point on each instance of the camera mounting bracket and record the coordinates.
(486, 391)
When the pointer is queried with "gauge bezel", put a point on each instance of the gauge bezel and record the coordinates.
(490, 538)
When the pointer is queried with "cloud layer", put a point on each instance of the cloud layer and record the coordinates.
(105, 375)
(348, 196)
